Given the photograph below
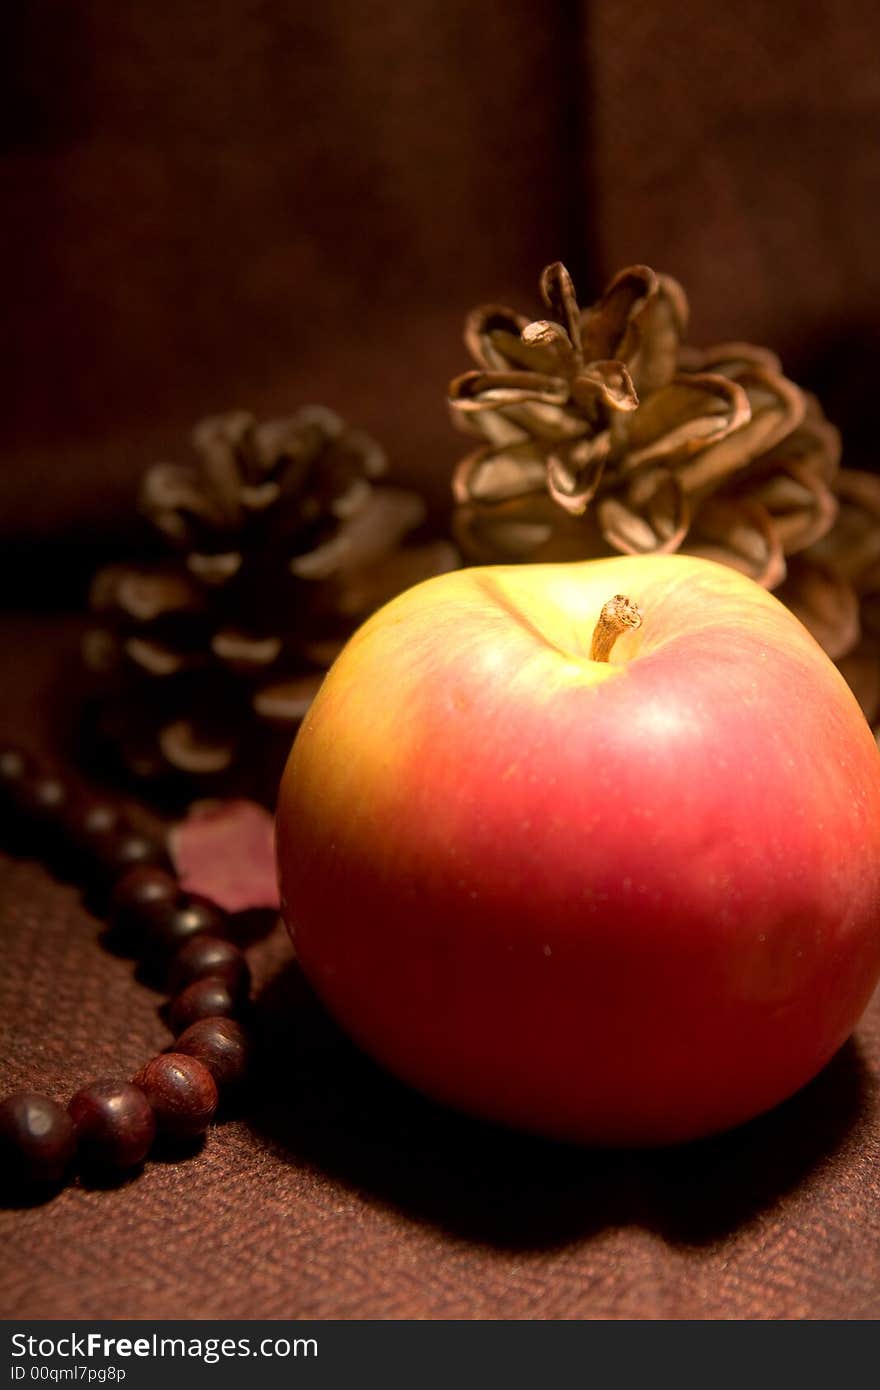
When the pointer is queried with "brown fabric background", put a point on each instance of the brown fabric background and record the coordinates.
(253, 203)
(261, 204)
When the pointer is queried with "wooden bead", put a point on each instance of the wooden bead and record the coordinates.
(37, 1138)
(16, 769)
(182, 1093)
(88, 821)
(135, 900)
(42, 797)
(115, 1124)
(205, 956)
(128, 849)
(173, 925)
(222, 1045)
(41, 802)
(15, 764)
(34, 807)
(210, 998)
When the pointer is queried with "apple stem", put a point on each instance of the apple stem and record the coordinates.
(618, 614)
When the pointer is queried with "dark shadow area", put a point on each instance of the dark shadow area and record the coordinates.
(168, 1150)
(95, 1179)
(840, 366)
(57, 578)
(23, 1196)
(320, 1101)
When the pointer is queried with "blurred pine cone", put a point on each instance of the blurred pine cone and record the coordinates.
(605, 434)
(279, 543)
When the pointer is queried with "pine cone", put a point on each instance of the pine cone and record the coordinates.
(280, 543)
(606, 434)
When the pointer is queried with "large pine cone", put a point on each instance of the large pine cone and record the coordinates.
(604, 434)
(280, 542)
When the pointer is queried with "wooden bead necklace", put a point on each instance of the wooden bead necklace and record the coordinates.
(183, 945)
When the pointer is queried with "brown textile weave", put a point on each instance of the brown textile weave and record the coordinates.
(339, 1193)
(259, 204)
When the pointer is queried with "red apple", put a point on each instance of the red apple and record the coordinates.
(623, 901)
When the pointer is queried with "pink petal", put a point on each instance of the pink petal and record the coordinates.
(225, 851)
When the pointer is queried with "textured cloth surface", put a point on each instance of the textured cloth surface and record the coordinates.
(338, 1193)
(254, 204)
